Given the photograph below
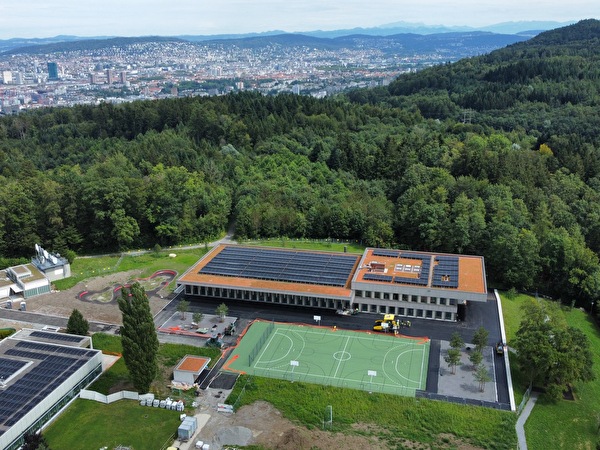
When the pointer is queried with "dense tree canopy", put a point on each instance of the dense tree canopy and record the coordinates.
(496, 156)
(552, 354)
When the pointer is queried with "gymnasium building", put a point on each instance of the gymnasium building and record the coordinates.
(40, 373)
(410, 284)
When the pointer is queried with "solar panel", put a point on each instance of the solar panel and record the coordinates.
(49, 370)
(282, 265)
(386, 253)
(56, 336)
(377, 277)
(9, 366)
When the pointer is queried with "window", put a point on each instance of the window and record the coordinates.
(404, 297)
(429, 314)
(411, 312)
(374, 308)
(442, 301)
(414, 298)
(368, 294)
(386, 296)
(401, 311)
(419, 313)
(423, 299)
(376, 294)
(359, 293)
(433, 300)
(448, 316)
(396, 296)
(438, 314)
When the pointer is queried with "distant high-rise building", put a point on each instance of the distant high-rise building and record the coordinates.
(52, 71)
(296, 89)
(7, 77)
(123, 77)
(93, 78)
(109, 76)
(19, 78)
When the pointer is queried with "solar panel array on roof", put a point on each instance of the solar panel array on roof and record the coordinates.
(423, 278)
(445, 272)
(8, 367)
(387, 253)
(377, 277)
(56, 336)
(51, 369)
(282, 265)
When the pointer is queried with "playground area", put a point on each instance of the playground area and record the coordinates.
(152, 285)
(322, 355)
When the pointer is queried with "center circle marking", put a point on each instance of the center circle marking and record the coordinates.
(342, 356)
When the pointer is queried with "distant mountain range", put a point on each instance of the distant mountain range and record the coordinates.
(523, 29)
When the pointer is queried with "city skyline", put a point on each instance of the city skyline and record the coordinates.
(43, 19)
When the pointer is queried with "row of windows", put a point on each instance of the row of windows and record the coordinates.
(406, 297)
(299, 300)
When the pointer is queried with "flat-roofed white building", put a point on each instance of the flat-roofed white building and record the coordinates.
(40, 373)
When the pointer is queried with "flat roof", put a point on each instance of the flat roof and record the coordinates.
(27, 272)
(423, 269)
(265, 268)
(195, 364)
(31, 371)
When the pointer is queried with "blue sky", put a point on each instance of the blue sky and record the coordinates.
(47, 18)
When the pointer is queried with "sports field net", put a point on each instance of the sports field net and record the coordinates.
(260, 342)
(357, 360)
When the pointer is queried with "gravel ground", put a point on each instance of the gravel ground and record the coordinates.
(62, 303)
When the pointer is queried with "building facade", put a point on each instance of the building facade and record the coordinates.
(410, 284)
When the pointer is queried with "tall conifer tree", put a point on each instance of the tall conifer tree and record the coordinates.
(138, 335)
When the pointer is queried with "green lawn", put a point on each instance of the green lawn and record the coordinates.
(307, 244)
(89, 425)
(168, 356)
(84, 268)
(565, 424)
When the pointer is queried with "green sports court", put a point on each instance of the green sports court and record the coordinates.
(374, 362)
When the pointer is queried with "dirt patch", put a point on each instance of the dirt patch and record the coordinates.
(271, 430)
(62, 303)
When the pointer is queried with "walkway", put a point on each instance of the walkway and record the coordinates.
(523, 418)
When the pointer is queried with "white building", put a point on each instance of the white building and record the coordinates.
(28, 280)
(40, 372)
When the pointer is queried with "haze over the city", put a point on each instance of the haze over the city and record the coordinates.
(43, 18)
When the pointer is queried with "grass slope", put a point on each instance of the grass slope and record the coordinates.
(565, 424)
(395, 419)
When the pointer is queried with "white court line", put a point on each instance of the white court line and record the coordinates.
(340, 360)
(283, 332)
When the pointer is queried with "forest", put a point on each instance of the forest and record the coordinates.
(496, 155)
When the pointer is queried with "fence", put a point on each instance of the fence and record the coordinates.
(261, 341)
(96, 396)
(524, 401)
(463, 401)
